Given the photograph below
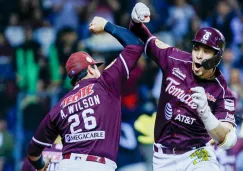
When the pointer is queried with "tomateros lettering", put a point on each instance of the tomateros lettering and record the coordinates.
(174, 90)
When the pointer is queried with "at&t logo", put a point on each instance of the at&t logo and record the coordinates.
(168, 111)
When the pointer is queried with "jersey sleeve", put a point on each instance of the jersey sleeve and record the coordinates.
(160, 55)
(225, 110)
(116, 74)
(44, 137)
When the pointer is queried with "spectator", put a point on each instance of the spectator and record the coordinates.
(6, 8)
(180, 15)
(14, 32)
(222, 20)
(194, 26)
(66, 44)
(65, 13)
(6, 146)
(236, 85)
(227, 63)
(104, 8)
(7, 75)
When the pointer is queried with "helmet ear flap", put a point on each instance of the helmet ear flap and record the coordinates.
(212, 62)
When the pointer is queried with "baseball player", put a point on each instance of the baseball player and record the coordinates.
(88, 118)
(195, 104)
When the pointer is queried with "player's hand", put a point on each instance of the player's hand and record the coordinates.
(145, 125)
(200, 99)
(97, 25)
(140, 13)
(47, 161)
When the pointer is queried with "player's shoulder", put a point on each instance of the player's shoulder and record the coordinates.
(220, 79)
(223, 86)
(179, 55)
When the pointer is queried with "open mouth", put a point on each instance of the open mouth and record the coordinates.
(198, 65)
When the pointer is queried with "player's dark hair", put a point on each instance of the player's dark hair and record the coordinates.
(78, 77)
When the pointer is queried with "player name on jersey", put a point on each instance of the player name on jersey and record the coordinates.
(93, 135)
(82, 104)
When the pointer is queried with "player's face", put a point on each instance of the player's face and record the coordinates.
(200, 53)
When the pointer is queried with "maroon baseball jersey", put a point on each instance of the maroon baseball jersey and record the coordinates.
(88, 118)
(54, 153)
(177, 123)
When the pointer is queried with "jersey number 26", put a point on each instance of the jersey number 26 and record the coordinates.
(89, 121)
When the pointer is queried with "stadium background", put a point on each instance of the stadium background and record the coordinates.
(37, 37)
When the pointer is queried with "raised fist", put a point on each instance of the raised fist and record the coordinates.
(97, 25)
(140, 13)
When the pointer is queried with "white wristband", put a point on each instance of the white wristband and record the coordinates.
(210, 122)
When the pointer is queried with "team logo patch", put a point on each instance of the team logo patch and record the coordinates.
(88, 59)
(159, 44)
(210, 97)
(207, 35)
(168, 111)
(73, 72)
(200, 155)
(177, 72)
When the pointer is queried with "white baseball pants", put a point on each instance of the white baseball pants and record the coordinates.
(80, 164)
(201, 159)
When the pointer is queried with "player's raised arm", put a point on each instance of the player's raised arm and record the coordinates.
(44, 137)
(124, 36)
(154, 48)
(133, 46)
(119, 70)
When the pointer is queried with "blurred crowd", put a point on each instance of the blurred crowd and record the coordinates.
(37, 37)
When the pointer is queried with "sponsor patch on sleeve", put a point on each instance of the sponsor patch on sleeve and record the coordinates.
(229, 104)
(230, 117)
(160, 44)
